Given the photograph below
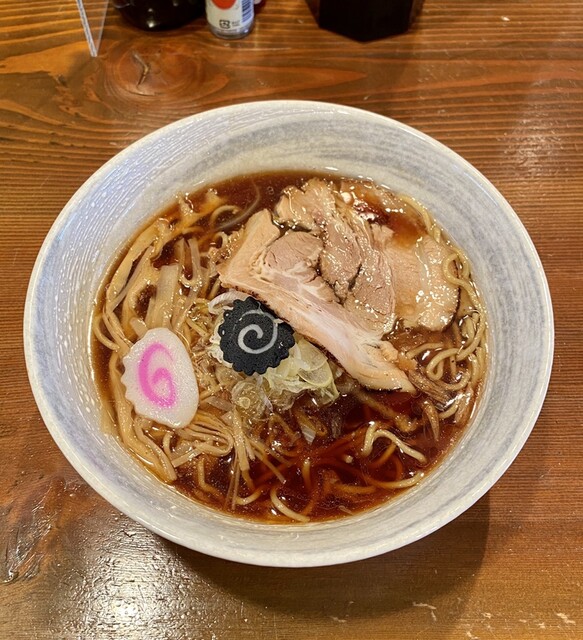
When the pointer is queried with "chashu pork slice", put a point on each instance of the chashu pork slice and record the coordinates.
(313, 207)
(281, 269)
(350, 262)
(423, 295)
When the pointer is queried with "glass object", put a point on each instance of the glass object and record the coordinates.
(92, 14)
(365, 19)
(157, 15)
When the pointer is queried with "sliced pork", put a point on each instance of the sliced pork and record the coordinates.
(423, 295)
(425, 298)
(350, 263)
(281, 268)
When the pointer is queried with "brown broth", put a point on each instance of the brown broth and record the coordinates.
(335, 457)
(344, 461)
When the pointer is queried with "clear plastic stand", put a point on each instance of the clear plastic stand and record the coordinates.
(92, 14)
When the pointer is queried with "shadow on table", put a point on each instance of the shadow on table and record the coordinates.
(418, 574)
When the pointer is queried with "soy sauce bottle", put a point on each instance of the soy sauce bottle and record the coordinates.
(158, 15)
(365, 20)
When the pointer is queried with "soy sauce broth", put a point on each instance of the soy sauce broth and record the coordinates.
(340, 481)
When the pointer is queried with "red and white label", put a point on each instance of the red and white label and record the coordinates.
(229, 16)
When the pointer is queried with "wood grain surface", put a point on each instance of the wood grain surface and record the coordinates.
(499, 82)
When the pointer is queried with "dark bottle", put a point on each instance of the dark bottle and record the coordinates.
(157, 15)
(365, 19)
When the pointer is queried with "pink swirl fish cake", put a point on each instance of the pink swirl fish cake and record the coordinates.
(159, 379)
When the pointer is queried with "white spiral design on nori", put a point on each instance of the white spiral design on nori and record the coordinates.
(258, 331)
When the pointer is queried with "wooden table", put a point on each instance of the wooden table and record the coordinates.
(499, 82)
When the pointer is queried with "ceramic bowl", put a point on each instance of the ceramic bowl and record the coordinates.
(134, 185)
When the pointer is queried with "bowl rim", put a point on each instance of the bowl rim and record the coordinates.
(108, 491)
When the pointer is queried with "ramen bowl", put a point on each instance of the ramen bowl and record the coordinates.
(131, 188)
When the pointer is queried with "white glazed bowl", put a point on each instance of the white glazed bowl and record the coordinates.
(134, 185)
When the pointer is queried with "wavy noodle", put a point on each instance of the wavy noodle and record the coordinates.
(395, 484)
(374, 432)
(384, 457)
(202, 483)
(282, 508)
(260, 491)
